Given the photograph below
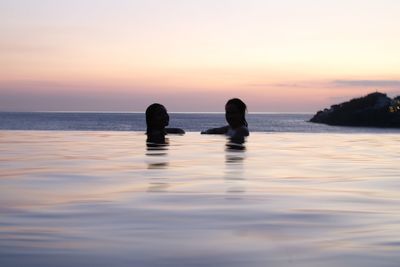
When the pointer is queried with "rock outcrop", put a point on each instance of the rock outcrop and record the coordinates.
(373, 110)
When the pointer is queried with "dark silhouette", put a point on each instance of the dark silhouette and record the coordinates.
(157, 119)
(373, 110)
(235, 115)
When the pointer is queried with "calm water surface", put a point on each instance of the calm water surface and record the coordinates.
(288, 199)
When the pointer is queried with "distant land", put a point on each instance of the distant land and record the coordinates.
(373, 110)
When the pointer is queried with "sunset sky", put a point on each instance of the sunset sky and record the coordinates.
(193, 55)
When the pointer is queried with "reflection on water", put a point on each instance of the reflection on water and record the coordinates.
(111, 199)
(234, 174)
(157, 157)
(235, 144)
(157, 154)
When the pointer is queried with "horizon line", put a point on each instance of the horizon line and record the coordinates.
(171, 112)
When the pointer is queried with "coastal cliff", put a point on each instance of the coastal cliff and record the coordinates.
(373, 110)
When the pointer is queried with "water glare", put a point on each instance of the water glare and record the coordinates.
(280, 199)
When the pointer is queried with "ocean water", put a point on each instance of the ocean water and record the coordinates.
(105, 198)
(192, 122)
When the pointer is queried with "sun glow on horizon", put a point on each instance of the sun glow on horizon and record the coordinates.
(121, 55)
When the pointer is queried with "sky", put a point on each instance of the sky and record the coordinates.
(194, 55)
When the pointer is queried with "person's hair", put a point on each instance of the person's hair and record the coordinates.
(150, 115)
(241, 106)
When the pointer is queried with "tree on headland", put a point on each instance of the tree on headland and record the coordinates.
(374, 110)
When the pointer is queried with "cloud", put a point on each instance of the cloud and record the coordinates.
(338, 83)
(367, 83)
(287, 84)
(42, 95)
(275, 85)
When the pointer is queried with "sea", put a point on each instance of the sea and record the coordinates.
(190, 122)
(86, 189)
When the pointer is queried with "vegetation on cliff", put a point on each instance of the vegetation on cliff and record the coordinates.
(373, 110)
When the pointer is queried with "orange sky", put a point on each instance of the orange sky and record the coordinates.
(194, 55)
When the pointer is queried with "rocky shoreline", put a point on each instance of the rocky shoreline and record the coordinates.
(373, 110)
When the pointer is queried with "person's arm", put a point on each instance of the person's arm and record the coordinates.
(221, 130)
(174, 131)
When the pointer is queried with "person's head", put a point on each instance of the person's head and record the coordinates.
(235, 113)
(156, 117)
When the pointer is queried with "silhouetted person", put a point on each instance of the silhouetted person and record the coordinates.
(235, 115)
(157, 119)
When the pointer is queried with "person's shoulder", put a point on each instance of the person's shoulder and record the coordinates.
(174, 131)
